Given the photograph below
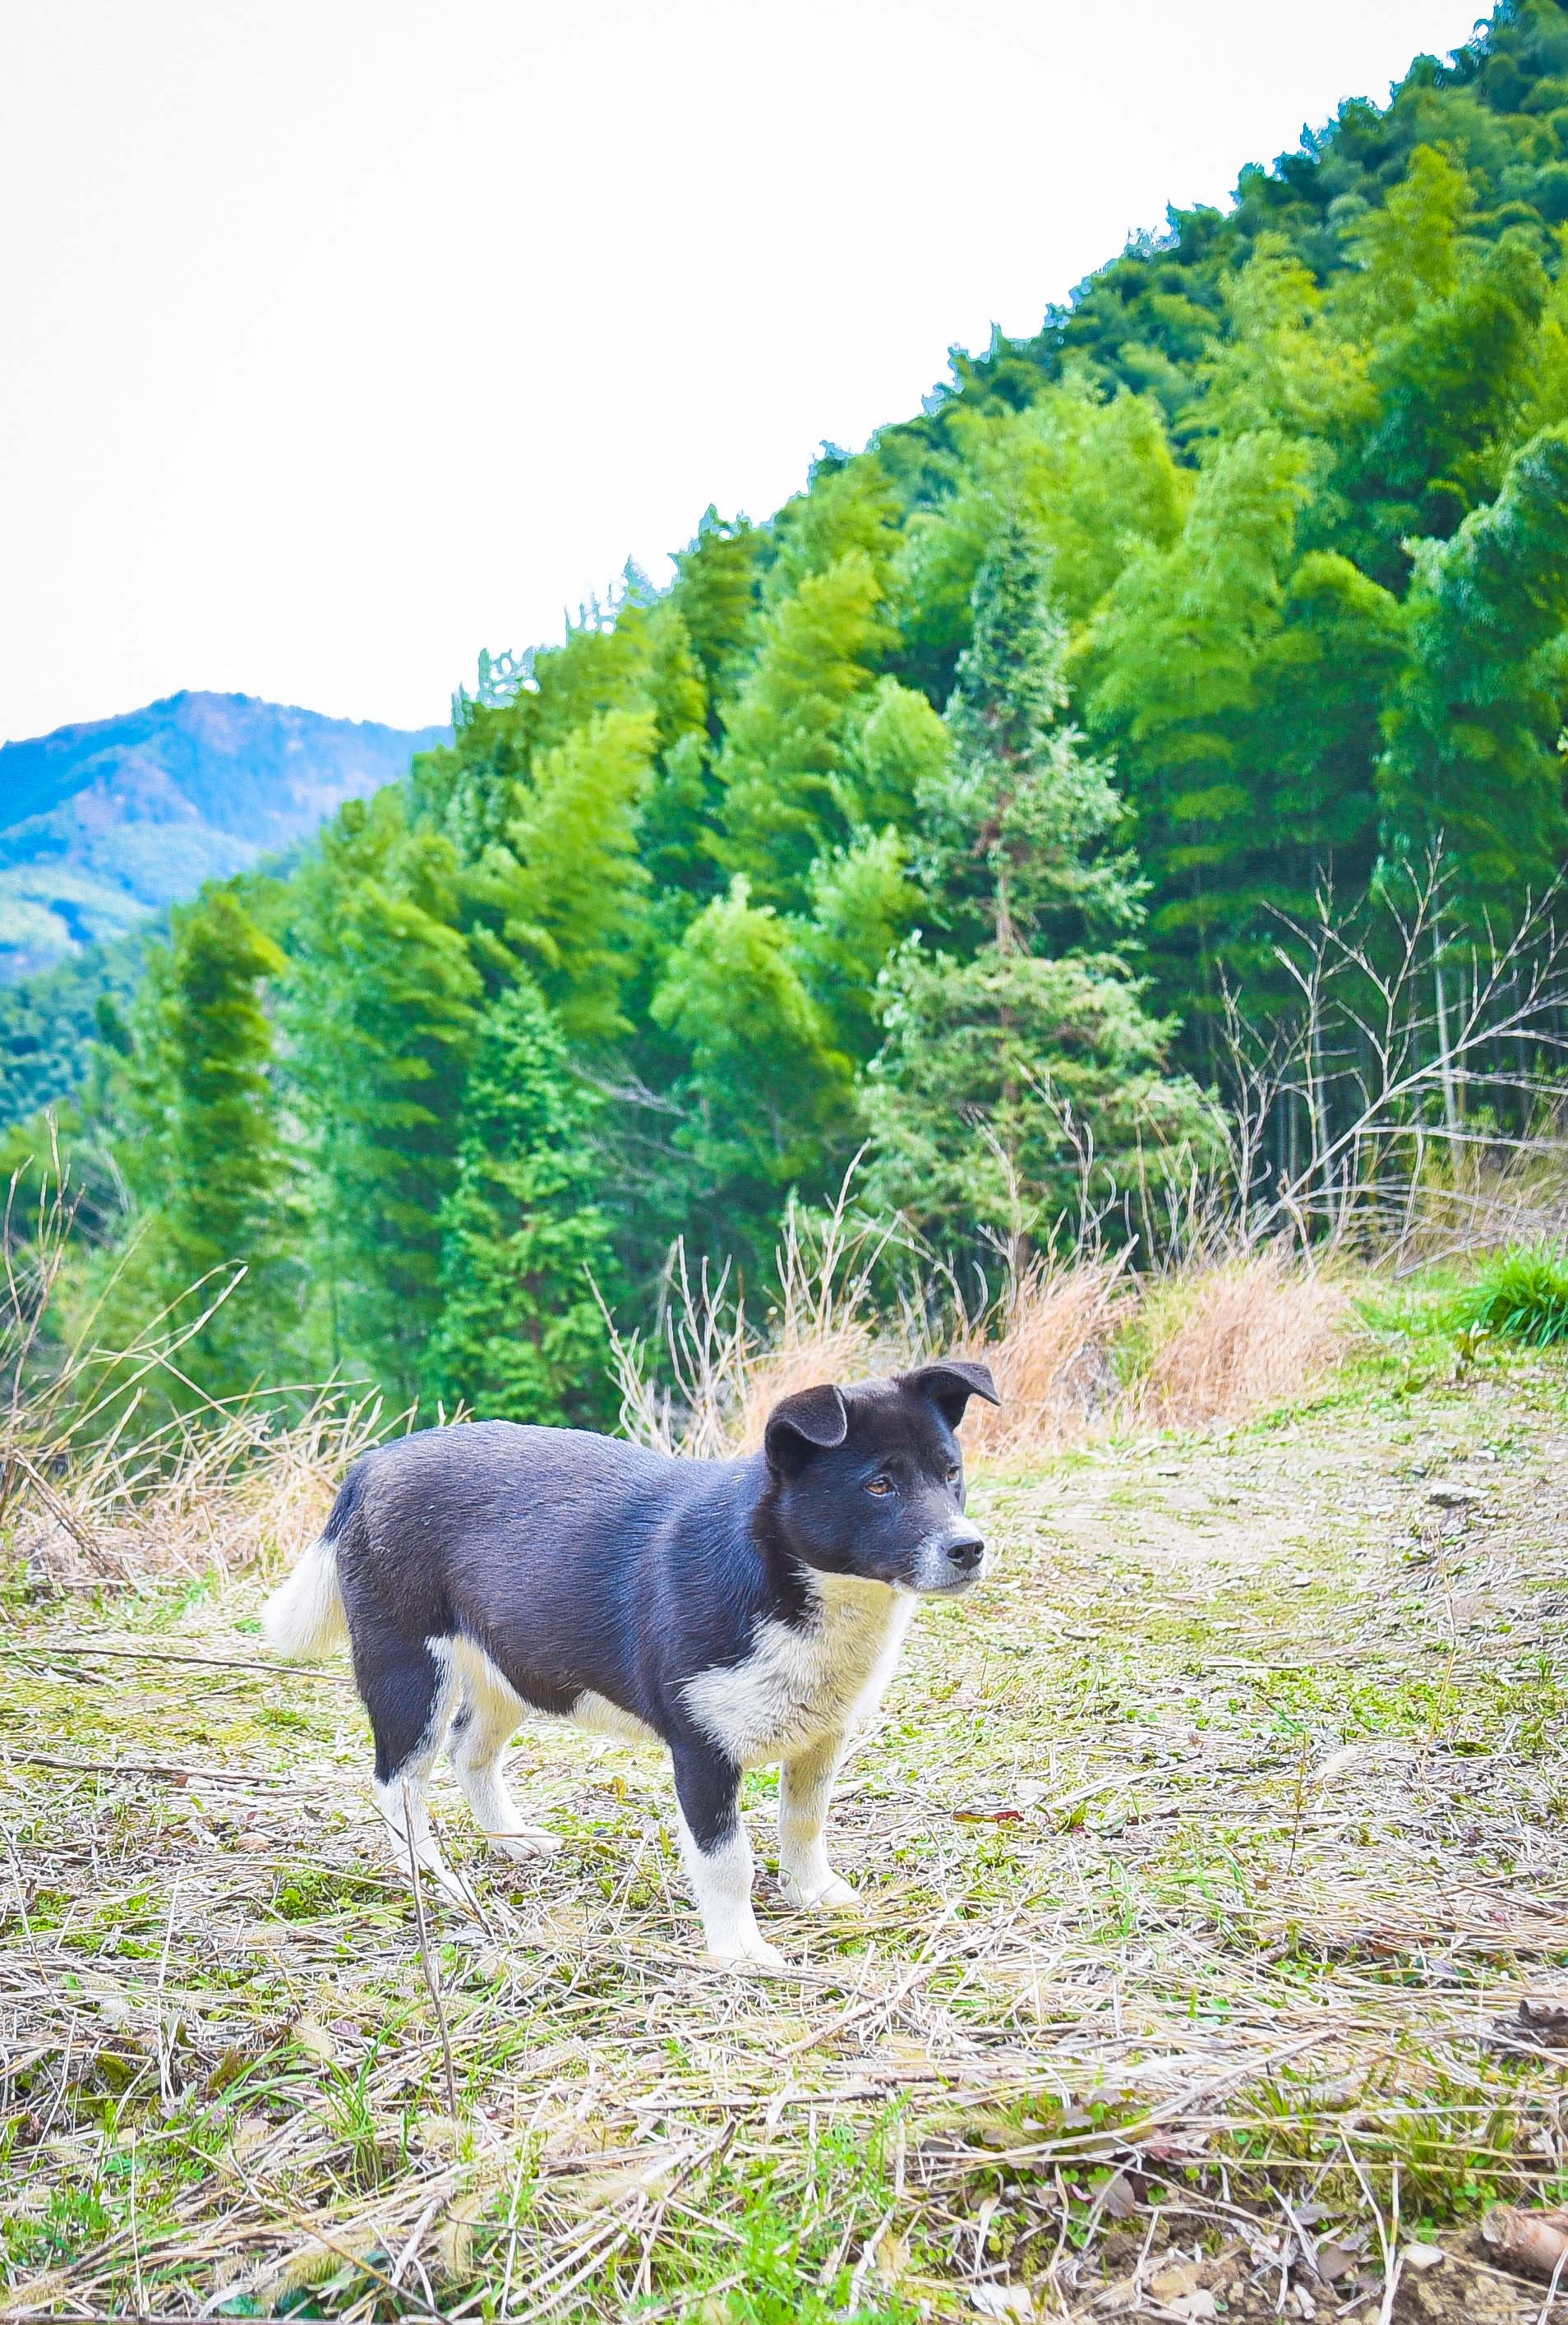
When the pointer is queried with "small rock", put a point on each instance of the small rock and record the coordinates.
(1451, 1497)
(1423, 2255)
(1173, 2283)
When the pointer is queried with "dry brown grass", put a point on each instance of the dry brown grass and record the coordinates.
(217, 1496)
(1203, 1859)
(1078, 1350)
(1234, 1339)
(1048, 1343)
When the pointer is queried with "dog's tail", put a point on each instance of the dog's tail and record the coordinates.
(304, 1616)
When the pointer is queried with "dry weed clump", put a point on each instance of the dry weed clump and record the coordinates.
(1048, 1342)
(221, 1494)
(1239, 1338)
(1077, 1348)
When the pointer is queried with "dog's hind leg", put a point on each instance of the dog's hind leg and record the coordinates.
(805, 1878)
(482, 1727)
(409, 1692)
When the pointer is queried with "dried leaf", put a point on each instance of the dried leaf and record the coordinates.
(1335, 2261)
(316, 2040)
(1545, 2017)
(1003, 2300)
(890, 2256)
(1118, 2199)
(1174, 2283)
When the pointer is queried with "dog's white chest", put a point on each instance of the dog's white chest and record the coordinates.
(800, 1683)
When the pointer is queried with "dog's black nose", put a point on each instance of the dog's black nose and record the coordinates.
(967, 1551)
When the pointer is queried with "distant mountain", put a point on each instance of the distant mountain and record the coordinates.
(102, 824)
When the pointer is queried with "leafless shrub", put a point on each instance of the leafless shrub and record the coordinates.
(726, 1373)
(1416, 1066)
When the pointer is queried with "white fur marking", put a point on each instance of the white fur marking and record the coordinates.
(305, 1615)
(600, 1716)
(494, 1709)
(721, 1881)
(401, 1801)
(800, 1684)
(805, 1878)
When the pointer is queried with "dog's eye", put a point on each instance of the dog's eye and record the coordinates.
(954, 1474)
(880, 1485)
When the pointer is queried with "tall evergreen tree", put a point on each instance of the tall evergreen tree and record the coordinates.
(1473, 759)
(202, 1151)
(999, 1059)
(524, 1240)
(381, 1006)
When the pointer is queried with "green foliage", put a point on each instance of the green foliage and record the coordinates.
(1472, 758)
(949, 810)
(1019, 816)
(573, 885)
(200, 1149)
(523, 1241)
(1523, 1295)
(764, 1088)
(381, 1009)
(786, 730)
(1002, 1069)
(1001, 1077)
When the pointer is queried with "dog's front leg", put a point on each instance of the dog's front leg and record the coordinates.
(717, 1854)
(805, 1877)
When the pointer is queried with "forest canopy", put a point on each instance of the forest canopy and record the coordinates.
(934, 819)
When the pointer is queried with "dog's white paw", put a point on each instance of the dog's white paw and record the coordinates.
(526, 1847)
(830, 1897)
(752, 1950)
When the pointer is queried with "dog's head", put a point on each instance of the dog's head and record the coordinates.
(869, 1480)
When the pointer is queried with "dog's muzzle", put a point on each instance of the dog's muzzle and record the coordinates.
(954, 1561)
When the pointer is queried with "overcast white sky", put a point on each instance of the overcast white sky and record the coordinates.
(342, 340)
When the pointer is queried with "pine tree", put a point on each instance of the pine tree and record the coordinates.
(1021, 819)
(995, 1064)
(524, 1239)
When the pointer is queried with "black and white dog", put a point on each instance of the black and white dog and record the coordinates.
(743, 1613)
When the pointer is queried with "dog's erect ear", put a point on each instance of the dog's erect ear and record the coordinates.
(816, 1419)
(951, 1384)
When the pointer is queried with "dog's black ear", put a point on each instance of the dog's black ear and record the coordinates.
(812, 1419)
(951, 1384)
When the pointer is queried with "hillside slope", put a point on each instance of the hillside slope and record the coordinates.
(101, 824)
(1202, 1860)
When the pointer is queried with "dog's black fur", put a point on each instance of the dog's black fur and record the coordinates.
(585, 1577)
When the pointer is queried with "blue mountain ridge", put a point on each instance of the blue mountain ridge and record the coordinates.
(103, 823)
